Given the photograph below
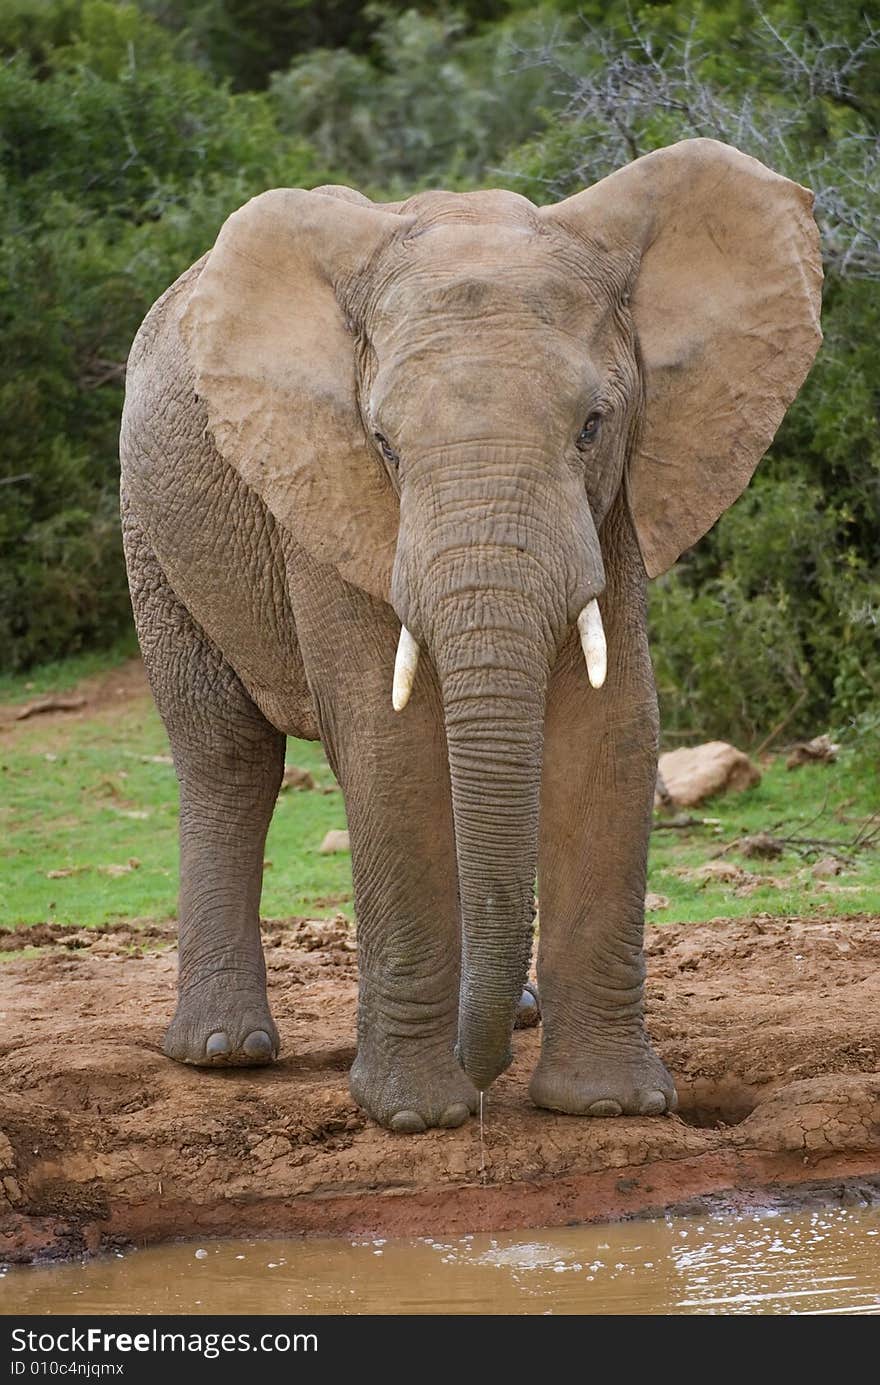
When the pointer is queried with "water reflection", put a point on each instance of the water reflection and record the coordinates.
(821, 1261)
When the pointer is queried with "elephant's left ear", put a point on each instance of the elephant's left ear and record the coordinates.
(726, 305)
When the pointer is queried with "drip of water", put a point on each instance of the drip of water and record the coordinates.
(482, 1144)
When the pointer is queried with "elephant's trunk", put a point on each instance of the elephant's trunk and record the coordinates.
(494, 688)
(491, 572)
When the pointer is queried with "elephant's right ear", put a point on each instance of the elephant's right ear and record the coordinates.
(274, 363)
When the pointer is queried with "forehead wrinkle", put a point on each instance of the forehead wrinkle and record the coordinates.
(530, 287)
(478, 293)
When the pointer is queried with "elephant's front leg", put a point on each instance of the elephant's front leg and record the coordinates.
(394, 773)
(229, 763)
(597, 794)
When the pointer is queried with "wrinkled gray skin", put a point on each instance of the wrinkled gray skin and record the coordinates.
(510, 521)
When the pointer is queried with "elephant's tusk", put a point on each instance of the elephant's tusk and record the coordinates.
(405, 666)
(593, 643)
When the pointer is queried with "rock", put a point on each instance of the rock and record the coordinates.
(745, 882)
(13, 1190)
(696, 772)
(274, 1147)
(826, 866)
(762, 845)
(821, 750)
(653, 902)
(333, 842)
(122, 869)
(296, 778)
(715, 872)
(662, 798)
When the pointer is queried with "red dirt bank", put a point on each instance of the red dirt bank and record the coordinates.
(771, 1028)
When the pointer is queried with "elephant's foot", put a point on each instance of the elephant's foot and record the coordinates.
(528, 1010)
(411, 1098)
(223, 1027)
(609, 1083)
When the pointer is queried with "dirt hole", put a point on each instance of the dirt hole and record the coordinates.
(712, 1105)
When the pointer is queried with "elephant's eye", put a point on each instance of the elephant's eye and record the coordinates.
(590, 431)
(387, 450)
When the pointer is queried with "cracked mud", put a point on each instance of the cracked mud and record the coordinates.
(771, 1028)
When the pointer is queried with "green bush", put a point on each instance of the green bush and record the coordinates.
(432, 104)
(118, 163)
(776, 611)
(777, 621)
(129, 131)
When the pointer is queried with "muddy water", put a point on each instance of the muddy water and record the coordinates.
(822, 1261)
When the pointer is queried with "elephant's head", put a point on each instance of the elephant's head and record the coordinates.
(443, 398)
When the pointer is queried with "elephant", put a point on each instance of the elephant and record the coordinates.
(396, 476)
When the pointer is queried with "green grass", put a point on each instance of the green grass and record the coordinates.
(84, 795)
(827, 802)
(65, 674)
(87, 796)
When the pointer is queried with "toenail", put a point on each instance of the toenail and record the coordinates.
(258, 1044)
(606, 1108)
(218, 1045)
(454, 1115)
(408, 1123)
(652, 1104)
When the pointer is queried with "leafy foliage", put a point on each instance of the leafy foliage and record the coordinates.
(129, 131)
(776, 612)
(118, 162)
(431, 104)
